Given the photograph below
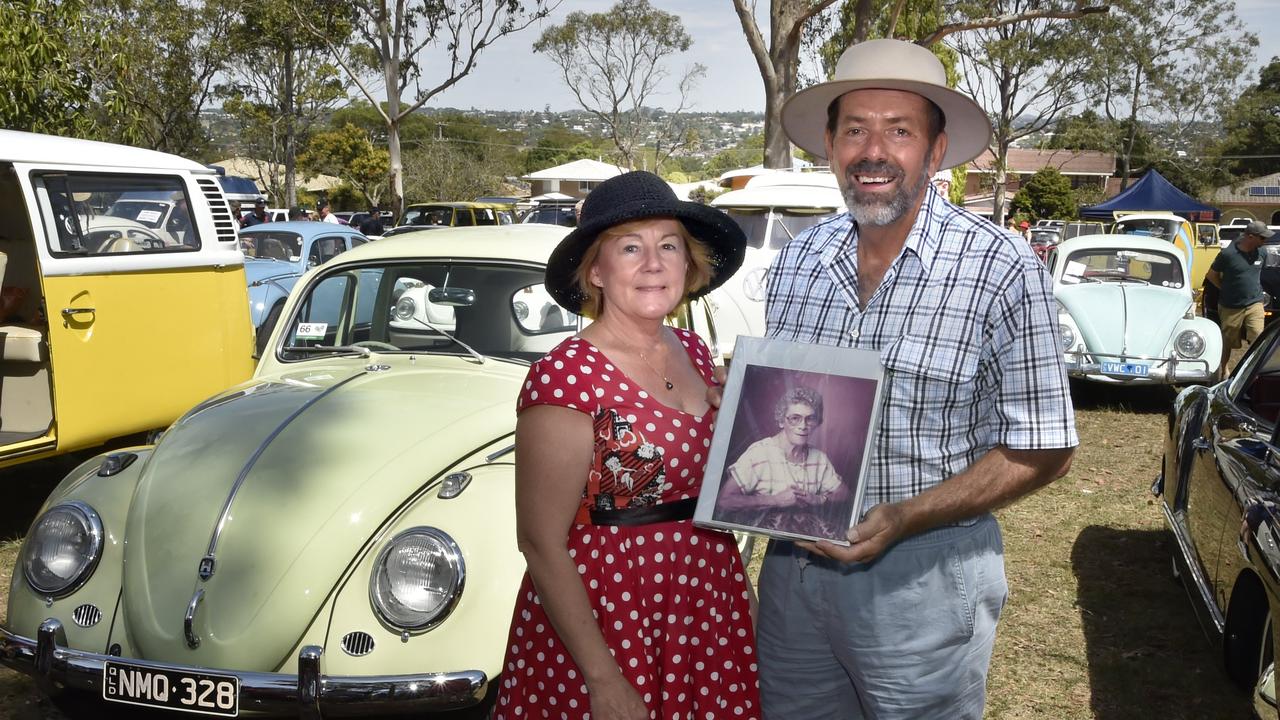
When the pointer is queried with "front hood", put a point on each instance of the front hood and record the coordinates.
(259, 269)
(323, 457)
(1124, 317)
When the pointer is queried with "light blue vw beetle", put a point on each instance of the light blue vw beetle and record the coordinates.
(1125, 313)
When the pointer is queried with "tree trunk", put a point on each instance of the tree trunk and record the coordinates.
(1126, 157)
(290, 129)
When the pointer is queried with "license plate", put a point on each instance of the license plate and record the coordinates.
(1134, 369)
(193, 692)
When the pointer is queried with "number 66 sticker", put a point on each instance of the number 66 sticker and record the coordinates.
(311, 331)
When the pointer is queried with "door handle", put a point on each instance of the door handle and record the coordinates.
(69, 311)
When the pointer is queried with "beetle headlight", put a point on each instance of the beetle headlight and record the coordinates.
(1066, 336)
(1189, 344)
(62, 549)
(405, 307)
(417, 579)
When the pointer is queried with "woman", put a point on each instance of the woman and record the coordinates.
(627, 611)
(784, 483)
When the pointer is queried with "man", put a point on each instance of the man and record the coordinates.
(296, 213)
(975, 408)
(259, 214)
(322, 207)
(1236, 273)
(372, 225)
(179, 225)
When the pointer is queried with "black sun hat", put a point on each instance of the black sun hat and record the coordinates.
(639, 195)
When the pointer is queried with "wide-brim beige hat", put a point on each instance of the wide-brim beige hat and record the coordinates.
(889, 65)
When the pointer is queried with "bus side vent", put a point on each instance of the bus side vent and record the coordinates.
(222, 220)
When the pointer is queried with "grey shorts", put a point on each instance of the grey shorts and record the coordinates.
(908, 636)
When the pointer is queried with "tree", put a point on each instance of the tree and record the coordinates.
(1025, 75)
(1252, 126)
(393, 36)
(558, 145)
(1086, 131)
(613, 63)
(281, 84)
(779, 62)
(1046, 195)
(1176, 60)
(347, 153)
(44, 84)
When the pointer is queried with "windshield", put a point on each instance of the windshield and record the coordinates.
(1044, 237)
(1117, 264)
(151, 213)
(774, 229)
(500, 310)
(274, 245)
(1163, 228)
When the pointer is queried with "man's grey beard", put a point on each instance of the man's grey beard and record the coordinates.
(879, 214)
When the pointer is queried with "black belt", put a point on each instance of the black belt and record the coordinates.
(666, 512)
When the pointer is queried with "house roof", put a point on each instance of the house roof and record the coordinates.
(1067, 162)
(1241, 193)
(588, 170)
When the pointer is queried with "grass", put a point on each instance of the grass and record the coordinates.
(1095, 626)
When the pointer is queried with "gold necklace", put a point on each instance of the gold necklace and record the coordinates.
(655, 371)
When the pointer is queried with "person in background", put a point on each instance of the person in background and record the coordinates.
(325, 215)
(1025, 228)
(1237, 274)
(975, 408)
(627, 611)
(297, 213)
(372, 225)
(258, 215)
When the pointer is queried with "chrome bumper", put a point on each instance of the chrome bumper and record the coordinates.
(1083, 363)
(308, 694)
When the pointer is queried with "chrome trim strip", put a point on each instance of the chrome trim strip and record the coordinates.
(1197, 573)
(1124, 328)
(189, 619)
(55, 667)
(253, 459)
(499, 453)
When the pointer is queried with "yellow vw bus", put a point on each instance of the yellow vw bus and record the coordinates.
(123, 299)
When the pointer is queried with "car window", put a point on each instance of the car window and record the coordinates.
(325, 249)
(1123, 265)
(423, 307)
(271, 245)
(485, 216)
(1256, 383)
(462, 217)
(106, 214)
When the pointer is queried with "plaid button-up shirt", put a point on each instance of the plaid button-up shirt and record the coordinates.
(965, 325)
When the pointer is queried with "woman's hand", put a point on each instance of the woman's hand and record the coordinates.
(614, 698)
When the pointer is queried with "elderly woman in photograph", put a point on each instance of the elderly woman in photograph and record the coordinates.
(784, 483)
(627, 610)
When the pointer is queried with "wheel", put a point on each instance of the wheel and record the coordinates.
(267, 326)
(1247, 642)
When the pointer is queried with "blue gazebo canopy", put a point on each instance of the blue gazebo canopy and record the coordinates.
(1153, 193)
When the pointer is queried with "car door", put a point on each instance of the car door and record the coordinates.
(1230, 460)
(136, 334)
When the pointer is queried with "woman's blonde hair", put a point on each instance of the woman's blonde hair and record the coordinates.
(696, 277)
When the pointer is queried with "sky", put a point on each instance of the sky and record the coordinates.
(511, 76)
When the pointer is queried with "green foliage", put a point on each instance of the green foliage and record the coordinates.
(703, 195)
(1047, 194)
(1086, 131)
(614, 62)
(1252, 125)
(558, 145)
(45, 85)
(440, 171)
(348, 154)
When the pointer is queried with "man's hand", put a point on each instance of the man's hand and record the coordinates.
(880, 529)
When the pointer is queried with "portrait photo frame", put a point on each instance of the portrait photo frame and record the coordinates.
(792, 441)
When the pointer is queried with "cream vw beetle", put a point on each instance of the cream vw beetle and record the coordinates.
(111, 325)
(336, 535)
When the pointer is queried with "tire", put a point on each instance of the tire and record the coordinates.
(267, 326)
(1248, 636)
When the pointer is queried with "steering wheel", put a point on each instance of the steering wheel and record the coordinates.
(146, 239)
(375, 345)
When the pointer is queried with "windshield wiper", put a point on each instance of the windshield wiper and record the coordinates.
(363, 352)
(479, 358)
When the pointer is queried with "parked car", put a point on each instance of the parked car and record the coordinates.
(109, 327)
(1076, 229)
(1125, 312)
(1219, 490)
(335, 536)
(276, 254)
(552, 214)
(1043, 239)
(450, 214)
(772, 209)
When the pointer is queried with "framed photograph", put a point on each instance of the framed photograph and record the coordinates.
(791, 440)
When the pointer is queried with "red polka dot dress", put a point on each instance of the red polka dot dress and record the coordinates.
(670, 599)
